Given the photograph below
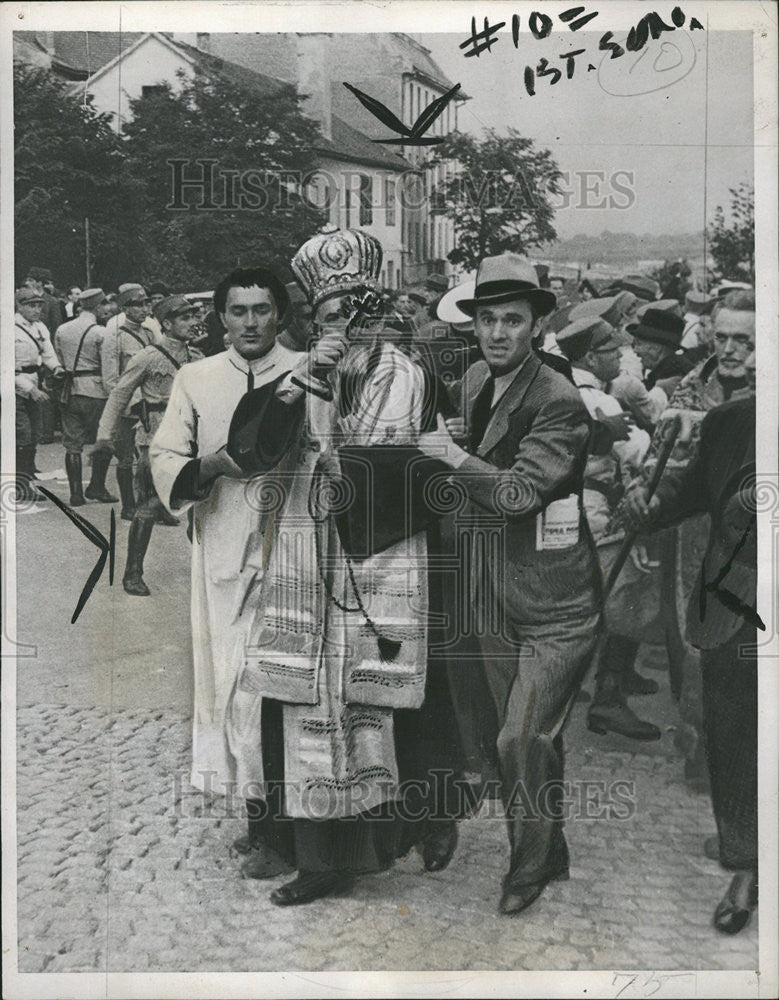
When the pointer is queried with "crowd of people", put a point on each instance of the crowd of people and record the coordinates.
(602, 442)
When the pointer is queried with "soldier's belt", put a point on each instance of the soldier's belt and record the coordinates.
(28, 370)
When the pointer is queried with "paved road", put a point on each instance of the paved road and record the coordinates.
(121, 867)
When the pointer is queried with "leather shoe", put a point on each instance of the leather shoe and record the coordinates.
(262, 862)
(621, 720)
(439, 845)
(515, 899)
(711, 848)
(135, 586)
(309, 886)
(128, 513)
(164, 518)
(633, 683)
(735, 907)
(101, 495)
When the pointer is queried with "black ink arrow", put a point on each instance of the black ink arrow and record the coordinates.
(98, 539)
(414, 136)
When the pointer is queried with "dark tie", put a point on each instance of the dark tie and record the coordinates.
(480, 415)
(249, 380)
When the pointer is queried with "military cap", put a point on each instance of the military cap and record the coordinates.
(699, 302)
(642, 287)
(607, 309)
(732, 286)
(131, 293)
(587, 333)
(173, 305)
(40, 274)
(436, 283)
(91, 297)
(159, 288)
(660, 326)
(27, 296)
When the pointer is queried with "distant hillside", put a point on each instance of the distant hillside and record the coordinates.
(625, 248)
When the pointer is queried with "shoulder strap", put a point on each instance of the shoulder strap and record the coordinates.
(81, 344)
(125, 329)
(168, 355)
(38, 343)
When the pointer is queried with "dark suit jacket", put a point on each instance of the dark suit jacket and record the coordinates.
(533, 452)
(720, 482)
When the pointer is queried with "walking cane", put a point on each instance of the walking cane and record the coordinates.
(630, 538)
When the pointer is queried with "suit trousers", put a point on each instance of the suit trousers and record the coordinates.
(730, 739)
(534, 673)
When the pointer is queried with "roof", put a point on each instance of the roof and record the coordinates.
(419, 62)
(88, 51)
(350, 144)
(246, 79)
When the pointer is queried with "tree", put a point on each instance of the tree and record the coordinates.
(732, 242)
(251, 145)
(68, 167)
(497, 195)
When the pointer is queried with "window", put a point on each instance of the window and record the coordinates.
(155, 90)
(390, 274)
(366, 200)
(389, 201)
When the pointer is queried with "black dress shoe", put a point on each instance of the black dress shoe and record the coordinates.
(262, 862)
(163, 517)
(634, 683)
(309, 886)
(621, 720)
(515, 899)
(439, 845)
(735, 907)
(135, 586)
(100, 494)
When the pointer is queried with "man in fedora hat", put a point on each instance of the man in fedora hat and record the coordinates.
(523, 474)
(148, 375)
(657, 339)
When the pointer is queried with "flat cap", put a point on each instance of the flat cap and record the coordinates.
(131, 293)
(173, 305)
(27, 296)
(604, 308)
(587, 333)
(91, 297)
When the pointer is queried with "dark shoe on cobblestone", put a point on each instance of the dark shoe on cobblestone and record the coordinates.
(439, 846)
(634, 683)
(735, 907)
(261, 862)
(309, 886)
(622, 720)
(711, 848)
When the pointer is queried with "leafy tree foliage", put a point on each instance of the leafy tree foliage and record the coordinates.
(497, 194)
(69, 166)
(732, 240)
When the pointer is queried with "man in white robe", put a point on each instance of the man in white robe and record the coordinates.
(191, 469)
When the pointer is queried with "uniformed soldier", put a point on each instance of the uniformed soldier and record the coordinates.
(150, 373)
(33, 355)
(119, 346)
(78, 343)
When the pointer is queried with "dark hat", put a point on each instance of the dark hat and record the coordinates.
(664, 305)
(27, 296)
(173, 305)
(660, 326)
(588, 333)
(158, 288)
(641, 287)
(436, 283)
(505, 278)
(559, 319)
(415, 295)
(40, 274)
(252, 451)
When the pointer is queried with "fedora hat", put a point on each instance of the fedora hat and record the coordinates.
(505, 278)
(660, 326)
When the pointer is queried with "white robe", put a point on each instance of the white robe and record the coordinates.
(196, 423)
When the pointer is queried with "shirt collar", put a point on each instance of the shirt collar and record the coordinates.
(258, 364)
(502, 382)
(24, 322)
(584, 379)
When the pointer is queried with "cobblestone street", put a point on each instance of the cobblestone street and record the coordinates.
(121, 867)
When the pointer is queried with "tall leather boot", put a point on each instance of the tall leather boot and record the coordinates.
(73, 467)
(137, 543)
(96, 489)
(124, 478)
(25, 474)
(609, 711)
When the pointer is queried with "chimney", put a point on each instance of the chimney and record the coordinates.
(313, 79)
(204, 41)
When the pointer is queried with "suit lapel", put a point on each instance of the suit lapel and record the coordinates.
(510, 401)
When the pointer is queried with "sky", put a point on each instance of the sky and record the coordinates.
(669, 139)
